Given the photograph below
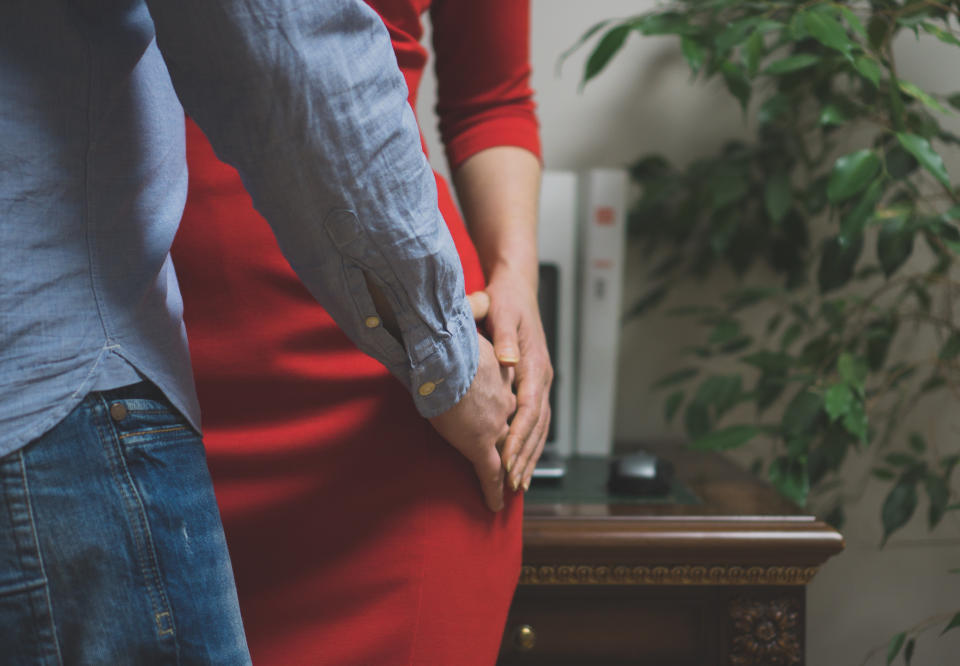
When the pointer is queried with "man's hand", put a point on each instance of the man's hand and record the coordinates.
(478, 423)
(514, 323)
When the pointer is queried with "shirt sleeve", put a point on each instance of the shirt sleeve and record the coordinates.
(483, 76)
(306, 101)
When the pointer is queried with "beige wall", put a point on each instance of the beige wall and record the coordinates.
(645, 103)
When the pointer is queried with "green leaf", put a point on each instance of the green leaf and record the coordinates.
(769, 387)
(747, 296)
(671, 405)
(852, 173)
(773, 108)
(753, 53)
(883, 474)
(675, 377)
(769, 360)
(649, 300)
(922, 96)
(853, 370)
(939, 495)
(855, 421)
(868, 69)
(737, 83)
(794, 331)
(693, 52)
(900, 459)
(609, 45)
(777, 196)
(696, 419)
(920, 148)
(793, 63)
(837, 263)
(917, 442)
(878, 28)
(953, 624)
(594, 29)
(790, 478)
(664, 23)
(951, 348)
(898, 508)
(828, 31)
(728, 438)
(954, 100)
(725, 331)
(894, 246)
(940, 34)
(894, 648)
(801, 414)
(908, 651)
(852, 224)
(838, 400)
(728, 187)
(774, 323)
(853, 21)
(833, 114)
(716, 389)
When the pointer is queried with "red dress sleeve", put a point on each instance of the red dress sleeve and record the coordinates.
(483, 76)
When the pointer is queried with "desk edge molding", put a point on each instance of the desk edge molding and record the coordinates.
(677, 574)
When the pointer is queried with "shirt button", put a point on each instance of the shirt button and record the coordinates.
(427, 388)
(118, 411)
(372, 322)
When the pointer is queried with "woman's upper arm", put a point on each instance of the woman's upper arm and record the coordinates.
(483, 76)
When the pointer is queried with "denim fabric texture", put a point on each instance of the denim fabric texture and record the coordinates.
(111, 546)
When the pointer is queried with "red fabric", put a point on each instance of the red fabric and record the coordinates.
(357, 535)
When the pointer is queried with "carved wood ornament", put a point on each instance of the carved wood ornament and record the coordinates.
(765, 632)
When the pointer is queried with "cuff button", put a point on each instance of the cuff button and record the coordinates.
(372, 322)
(427, 388)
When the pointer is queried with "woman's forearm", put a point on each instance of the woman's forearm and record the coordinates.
(498, 189)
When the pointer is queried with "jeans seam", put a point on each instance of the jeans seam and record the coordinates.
(140, 527)
(155, 431)
(43, 571)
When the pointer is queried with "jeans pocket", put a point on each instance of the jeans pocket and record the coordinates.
(141, 422)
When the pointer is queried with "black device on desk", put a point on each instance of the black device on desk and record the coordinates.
(639, 473)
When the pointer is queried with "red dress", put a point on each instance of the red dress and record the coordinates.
(357, 535)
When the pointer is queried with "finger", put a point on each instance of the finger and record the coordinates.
(540, 437)
(519, 445)
(528, 475)
(479, 303)
(491, 476)
(503, 329)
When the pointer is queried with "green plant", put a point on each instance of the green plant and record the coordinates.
(844, 196)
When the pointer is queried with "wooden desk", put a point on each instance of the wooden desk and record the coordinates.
(720, 582)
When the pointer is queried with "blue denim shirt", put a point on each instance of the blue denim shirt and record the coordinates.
(304, 98)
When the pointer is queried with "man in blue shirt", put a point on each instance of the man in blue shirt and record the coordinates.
(111, 550)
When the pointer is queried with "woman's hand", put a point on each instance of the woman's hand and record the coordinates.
(498, 189)
(513, 321)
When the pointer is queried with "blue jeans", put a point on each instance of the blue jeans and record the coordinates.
(111, 547)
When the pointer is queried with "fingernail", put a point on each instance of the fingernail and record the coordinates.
(515, 483)
(508, 464)
(526, 485)
(508, 356)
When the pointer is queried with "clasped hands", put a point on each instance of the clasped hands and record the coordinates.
(500, 425)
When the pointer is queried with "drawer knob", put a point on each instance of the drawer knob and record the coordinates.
(524, 637)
